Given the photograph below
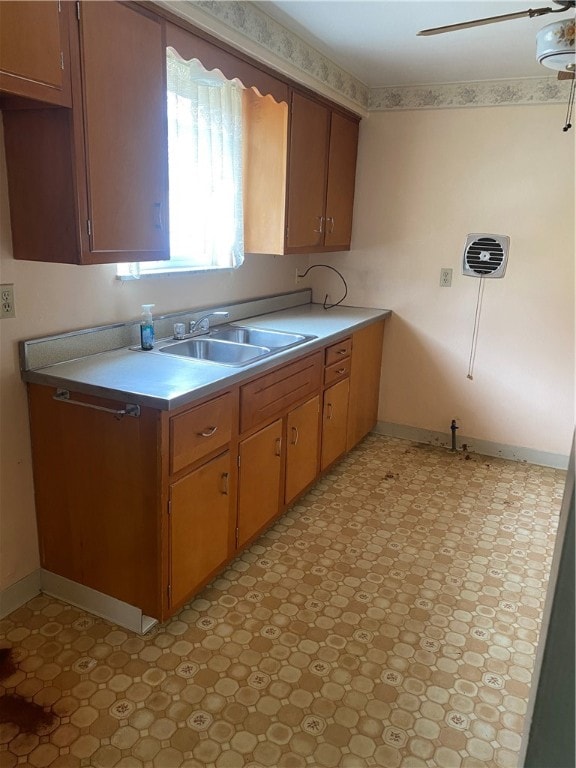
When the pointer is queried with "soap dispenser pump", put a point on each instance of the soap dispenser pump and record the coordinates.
(147, 327)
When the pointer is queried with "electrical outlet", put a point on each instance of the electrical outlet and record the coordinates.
(7, 308)
(297, 278)
(445, 277)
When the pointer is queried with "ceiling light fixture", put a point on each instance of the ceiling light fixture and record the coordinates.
(555, 45)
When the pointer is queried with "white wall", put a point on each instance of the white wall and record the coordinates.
(425, 180)
(53, 298)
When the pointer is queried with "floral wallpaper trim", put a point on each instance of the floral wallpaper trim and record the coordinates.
(249, 21)
(488, 93)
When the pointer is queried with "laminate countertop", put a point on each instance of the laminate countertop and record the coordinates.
(167, 382)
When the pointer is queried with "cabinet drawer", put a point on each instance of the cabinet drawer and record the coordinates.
(338, 351)
(271, 395)
(337, 371)
(200, 431)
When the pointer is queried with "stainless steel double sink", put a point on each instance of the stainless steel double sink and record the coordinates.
(234, 345)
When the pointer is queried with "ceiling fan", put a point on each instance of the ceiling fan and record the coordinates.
(554, 42)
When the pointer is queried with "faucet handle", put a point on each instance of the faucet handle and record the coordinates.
(179, 330)
(202, 325)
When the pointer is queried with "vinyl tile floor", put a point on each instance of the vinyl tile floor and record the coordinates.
(389, 618)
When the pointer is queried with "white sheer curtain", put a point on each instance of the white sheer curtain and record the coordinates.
(205, 170)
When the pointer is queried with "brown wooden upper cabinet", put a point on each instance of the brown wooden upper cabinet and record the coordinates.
(321, 175)
(300, 170)
(34, 51)
(89, 185)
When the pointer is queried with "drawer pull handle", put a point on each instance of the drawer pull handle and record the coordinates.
(207, 432)
(278, 446)
(294, 435)
(329, 410)
(340, 370)
(342, 352)
(224, 485)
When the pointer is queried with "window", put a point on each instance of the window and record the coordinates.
(205, 171)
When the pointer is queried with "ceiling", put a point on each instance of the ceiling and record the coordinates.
(376, 41)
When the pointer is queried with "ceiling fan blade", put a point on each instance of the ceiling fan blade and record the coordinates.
(488, 20)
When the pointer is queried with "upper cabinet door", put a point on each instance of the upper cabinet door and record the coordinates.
(123, 86)
(307, 161)
(341, 181)
(34, 57)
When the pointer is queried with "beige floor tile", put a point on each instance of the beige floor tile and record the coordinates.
(390, 618)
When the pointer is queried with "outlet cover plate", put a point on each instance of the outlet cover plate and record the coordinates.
(7, 308)
(445, 277)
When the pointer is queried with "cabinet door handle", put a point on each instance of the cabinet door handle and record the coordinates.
(329, 410)
(159, 222)
(331, 220)
(208, 432)
(321, 230)
(224, 484)
(294, 435)
(278, 446)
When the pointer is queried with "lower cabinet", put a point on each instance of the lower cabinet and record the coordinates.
(366, 365)
(201, 526)
(334, 422)
(302, 443)
(152, 505)
(259, 478)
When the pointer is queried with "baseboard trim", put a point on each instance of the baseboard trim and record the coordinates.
(473, 445)
(19, 593)
(90, 600)
(118, 612)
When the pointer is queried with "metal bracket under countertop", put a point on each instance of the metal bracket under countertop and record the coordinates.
(63, 396)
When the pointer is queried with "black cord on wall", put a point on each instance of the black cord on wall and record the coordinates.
(327, 266)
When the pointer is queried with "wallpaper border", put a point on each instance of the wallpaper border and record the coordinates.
(246, 19)
(488, 93)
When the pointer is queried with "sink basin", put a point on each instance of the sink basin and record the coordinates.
(234, 345)
(261, 337)
(216, 351)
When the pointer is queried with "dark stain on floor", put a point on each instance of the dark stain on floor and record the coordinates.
(26, 715)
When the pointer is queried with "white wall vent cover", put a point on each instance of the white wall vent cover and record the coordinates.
(485, 255)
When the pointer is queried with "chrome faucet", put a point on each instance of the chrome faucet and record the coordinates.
(202, 325)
